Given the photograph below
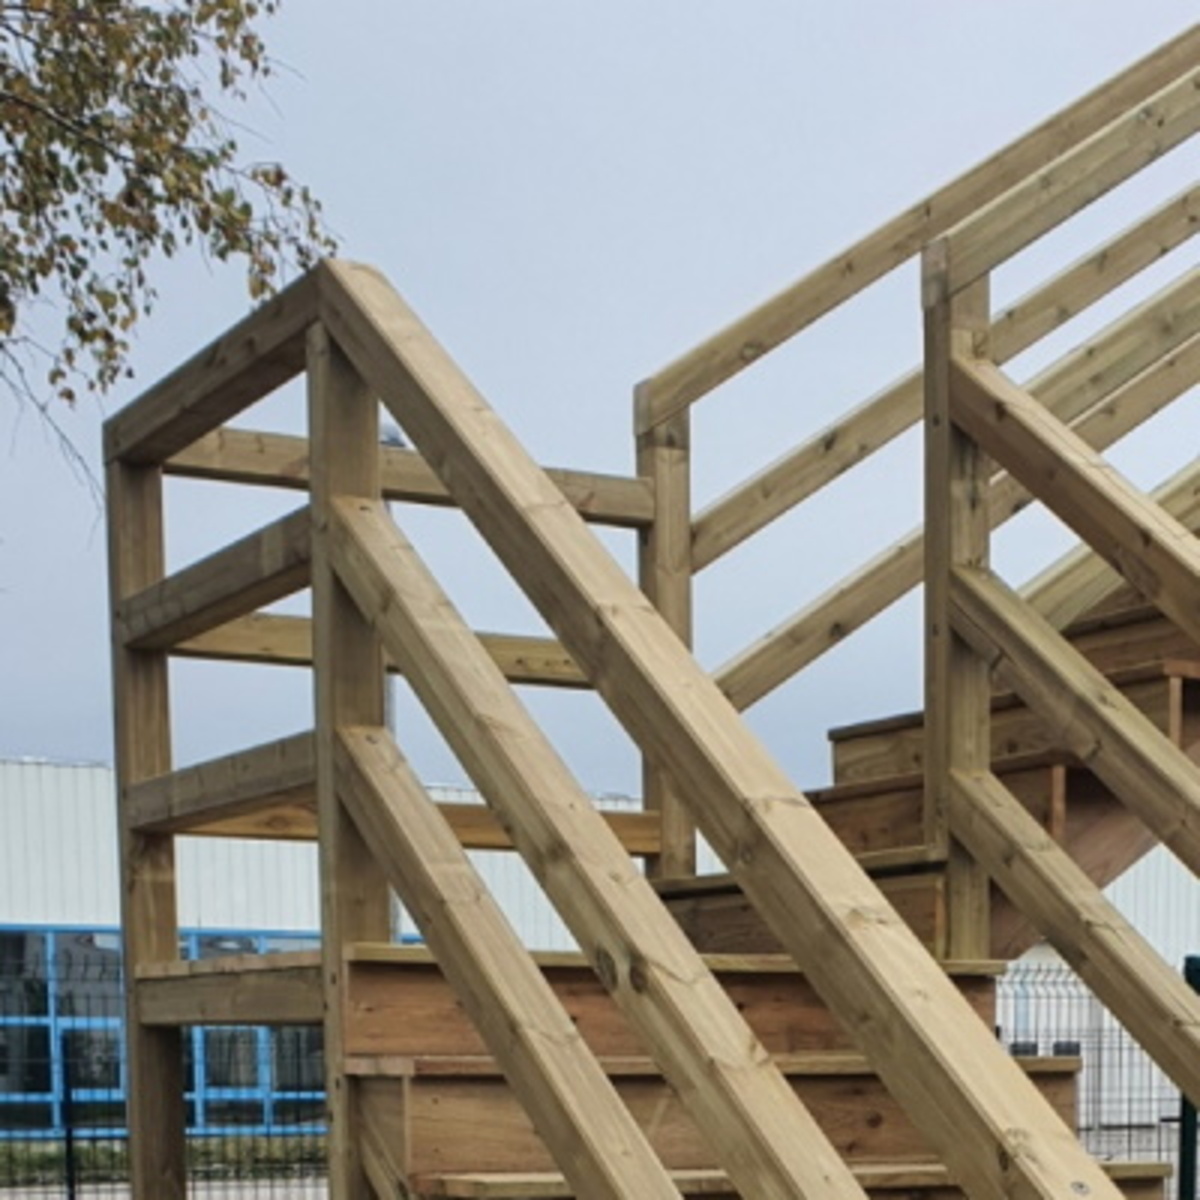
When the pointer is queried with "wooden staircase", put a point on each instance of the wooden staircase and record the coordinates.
(819, 1021)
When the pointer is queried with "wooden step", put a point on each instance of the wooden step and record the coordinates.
(1136, 1180)
(399, 1004)
(1125, 632)
(719, 919)
(1167, 691)
(448, 1115)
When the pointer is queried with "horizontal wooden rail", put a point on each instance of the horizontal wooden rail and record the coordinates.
(1080, 580)
(1157, 554)
(1152, 776)
(281, 460)
(250, 989)
(1129, 365)
(275, 640)
(226, 788)
(1147, 995)
(930, 1049)
(554, 1074)
(653, 973)
(269, 564)
(1073, 181)
(254, 358)
(854, 437)
(269, 793)
(677, 386)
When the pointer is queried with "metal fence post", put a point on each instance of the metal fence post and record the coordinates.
(68, 1118)
(1187, 1110)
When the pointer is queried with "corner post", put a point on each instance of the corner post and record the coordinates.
(149, 921)
(349, 681)
(665, 575)
(957, 681)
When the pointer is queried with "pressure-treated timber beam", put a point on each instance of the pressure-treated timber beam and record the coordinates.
(791, 479)
(281, 460)
(1147, 995)
(729, 351)
(1131, 366)
(761, 1133)
(250, 989)
(274, 639)
(1074, 180)
(259, 569)
(269, 792)
(1157, 554)
(1080, 580)
(999, 1137)
(251, 360)
(222, 789)
(555, 1076)
(1092, 718)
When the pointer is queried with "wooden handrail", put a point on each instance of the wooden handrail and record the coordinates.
(1047, 198)
(674, 388)
(852, 438)
(1132, 355)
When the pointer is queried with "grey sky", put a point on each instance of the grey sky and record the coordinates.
(570, 195)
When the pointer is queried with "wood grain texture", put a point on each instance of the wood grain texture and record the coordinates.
(252, 359)
(281, 460)
(723, 355)
(923, 1039)
(762, 1136)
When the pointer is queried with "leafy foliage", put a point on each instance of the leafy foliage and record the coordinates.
(113, 152)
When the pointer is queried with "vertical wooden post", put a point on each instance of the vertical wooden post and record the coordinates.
(665, 573)
(156, 1113)
(349, 681)
(957, 682)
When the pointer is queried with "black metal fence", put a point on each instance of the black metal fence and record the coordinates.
(254, 1105)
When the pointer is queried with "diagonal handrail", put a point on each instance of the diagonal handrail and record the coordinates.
(931, 1051)
(674, 388)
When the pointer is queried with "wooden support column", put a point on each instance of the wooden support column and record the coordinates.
(349, 680)
(957, 685)
(665, 573)
(148, 916)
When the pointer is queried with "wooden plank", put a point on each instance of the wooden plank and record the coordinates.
(560, 1085)
(665, 575)
(406, 1009)
(259, 569)
(343, 420)
(1081, 579)
(472, 1122)
(1157, 554)
(792, 478)
(1126, 359)
(724, 920)
(149, 920)
(224, 788)
(252, 359)
(926, 1181)
(1074, 180)
(875, 750)
(958, 690)
(272, 639)
(930, 1049)
(281, 460)
(1149, 997)
(729, 351)
(1153, 776)
(769, 1142)
(236, 994)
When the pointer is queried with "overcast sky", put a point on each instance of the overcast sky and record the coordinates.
(571, 195)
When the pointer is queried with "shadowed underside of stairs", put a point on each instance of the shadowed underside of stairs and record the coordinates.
(819, 1020)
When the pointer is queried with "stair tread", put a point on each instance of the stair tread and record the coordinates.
(548, 1185)
(811, 1062)
(1168, 668)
